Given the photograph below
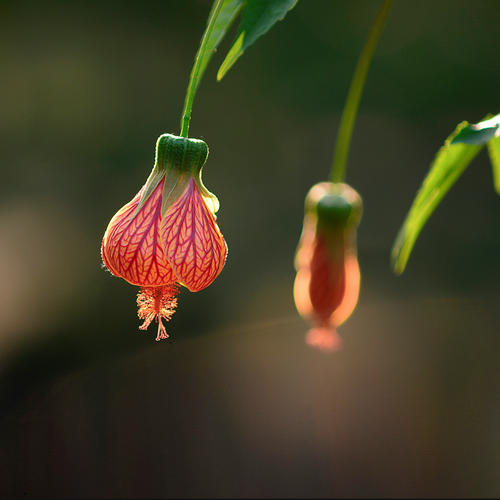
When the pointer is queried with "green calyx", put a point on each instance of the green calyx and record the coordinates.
(180, 153)
(177, 160)
(335, 205)
(336, 208)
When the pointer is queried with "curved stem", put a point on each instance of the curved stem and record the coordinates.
(195, 78)
(343, 142)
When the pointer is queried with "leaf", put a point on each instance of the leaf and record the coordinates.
(479, 133)
(227, 14)
(449, 163)
(494, 152)
(257, 18)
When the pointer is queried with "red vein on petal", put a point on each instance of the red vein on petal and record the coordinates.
(131, 248)
(194, 244)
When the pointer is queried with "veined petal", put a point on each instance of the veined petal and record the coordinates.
(132, 249)
(211, 201)
(193, 242)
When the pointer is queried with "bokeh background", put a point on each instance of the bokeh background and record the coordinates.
(235, 404)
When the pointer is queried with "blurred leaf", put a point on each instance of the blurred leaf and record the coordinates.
(449, 163)
(494, 152)
(227, 14)
(257, 18)
(479, 133)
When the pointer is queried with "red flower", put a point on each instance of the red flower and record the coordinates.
(167, 234)
(327, 283)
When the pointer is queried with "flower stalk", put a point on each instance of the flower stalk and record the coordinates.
(197, 72)
(341, 152)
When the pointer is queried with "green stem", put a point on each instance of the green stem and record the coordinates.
(337, 172)
(195, 78)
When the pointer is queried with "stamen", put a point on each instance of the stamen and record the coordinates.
(324, 338)
(157, 303)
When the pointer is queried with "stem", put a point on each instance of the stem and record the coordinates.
(339, 163)
(195, 78)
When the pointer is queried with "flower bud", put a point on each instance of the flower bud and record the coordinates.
(326, 287)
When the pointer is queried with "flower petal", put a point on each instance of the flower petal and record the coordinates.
(194, 244)
(326, 289)
(131, 248)
(327, 284)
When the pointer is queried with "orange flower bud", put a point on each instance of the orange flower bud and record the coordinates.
(326, 287)
(167, 234)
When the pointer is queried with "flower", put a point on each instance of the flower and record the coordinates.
(167, 235)
(326, 287)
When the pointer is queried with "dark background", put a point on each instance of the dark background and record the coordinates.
(235, 403)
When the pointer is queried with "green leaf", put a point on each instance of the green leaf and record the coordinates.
(479, 133)
(257, 18)
(494, 152)
(449, 163)
(227, 14)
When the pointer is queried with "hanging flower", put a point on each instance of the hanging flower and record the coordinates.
(326, 287)
(167, 234)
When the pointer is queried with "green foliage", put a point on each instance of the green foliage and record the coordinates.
(223, 19)
(449, 163)
(479, 133)
(257, 18)
(452, 159)
(486, 131)
(494, 152)
(459, 149)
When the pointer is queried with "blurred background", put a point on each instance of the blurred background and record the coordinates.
(235, 404)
